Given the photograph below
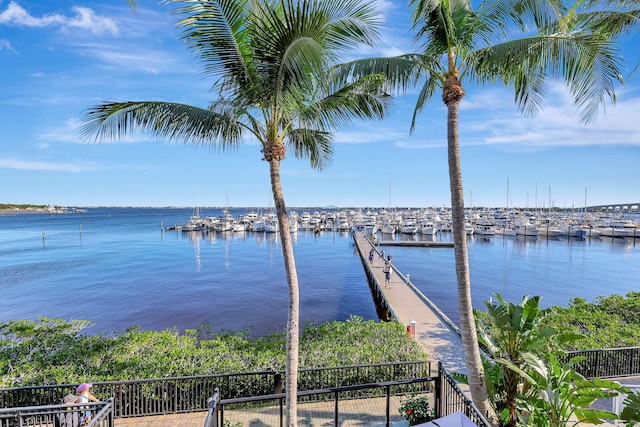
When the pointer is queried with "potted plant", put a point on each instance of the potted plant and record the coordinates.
(416, 409)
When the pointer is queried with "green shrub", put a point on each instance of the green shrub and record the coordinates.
(53, 351)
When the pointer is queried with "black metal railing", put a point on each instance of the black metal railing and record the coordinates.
(136, 398)
(101, 415)
(607, 363)
(451, 398)
(335, 394)
(444, 392)
(321, 378)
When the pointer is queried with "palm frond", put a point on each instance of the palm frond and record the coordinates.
(350, 22)
(217, 33)
(111, 121)
(363, 99)
(589, 65)
(611, 23)
(315, 145)
(432, 82)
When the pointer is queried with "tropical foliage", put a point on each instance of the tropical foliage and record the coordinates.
(508, 333)
(556, 395)
(54, 351)
(526, 380)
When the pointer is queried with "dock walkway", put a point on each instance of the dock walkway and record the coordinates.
(434, 331)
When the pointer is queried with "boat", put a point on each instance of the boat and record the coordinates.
(239, 227)
(408, 226)
(194, 223)
(388, 227)
(523, 227)
(271, 224)
(224, 223)
(259, 225)
(485, 229)
(619, 228)
(505, 230)
(426, 227)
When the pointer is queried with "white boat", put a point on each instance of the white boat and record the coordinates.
(426, 227)
(293, 225)
(271, 225)
(408, 226)
(194, 223)
(485, 229)
(505, 231)
(239, 227)
(523, 227)
(225, 223)
(388, 227)
(550, 231)
(259, 225)
(622, 228)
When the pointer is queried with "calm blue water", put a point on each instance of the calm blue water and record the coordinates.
(117, 267)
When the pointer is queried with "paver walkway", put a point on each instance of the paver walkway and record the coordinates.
(352, 413)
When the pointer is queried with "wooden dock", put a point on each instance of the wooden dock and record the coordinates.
(435, 332)
(416, 243)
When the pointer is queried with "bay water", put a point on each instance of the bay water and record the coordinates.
(119, 267)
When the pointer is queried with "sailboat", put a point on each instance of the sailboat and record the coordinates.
(503, 226)
(195, 222)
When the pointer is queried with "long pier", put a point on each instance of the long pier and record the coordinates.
(402, 301)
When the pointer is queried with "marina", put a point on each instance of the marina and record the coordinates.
(119, 267)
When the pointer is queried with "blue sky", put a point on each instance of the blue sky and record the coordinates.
(60, 57)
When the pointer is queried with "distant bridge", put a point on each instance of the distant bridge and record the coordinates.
(616, 207)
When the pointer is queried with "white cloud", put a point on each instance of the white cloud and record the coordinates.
(5, 45)
(556, 124)
(42, 166)
(84, 18)
(16, 15)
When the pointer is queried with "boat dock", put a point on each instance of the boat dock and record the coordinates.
(402, 301)
(416, 243)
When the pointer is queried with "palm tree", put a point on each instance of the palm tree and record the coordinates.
(521, 44)
(271, 63)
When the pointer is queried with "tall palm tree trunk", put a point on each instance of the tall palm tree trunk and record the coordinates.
(452, 95)
(293, 332)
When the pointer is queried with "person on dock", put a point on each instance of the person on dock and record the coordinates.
(371, 255)
(387, 274)
(389, 258)
(382, 254)
(85, 396)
